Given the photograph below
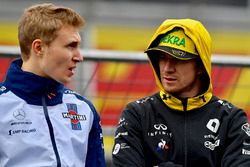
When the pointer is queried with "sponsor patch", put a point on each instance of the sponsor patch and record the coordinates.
(211, 145)
(74, 117)
(245, 152)
(246, 128)
(162, 145)
(116, 149)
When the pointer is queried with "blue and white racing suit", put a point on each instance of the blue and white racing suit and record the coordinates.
(43, 124)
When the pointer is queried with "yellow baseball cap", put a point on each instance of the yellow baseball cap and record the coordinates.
(177, 44)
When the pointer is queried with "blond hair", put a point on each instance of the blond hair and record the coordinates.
(42, 21)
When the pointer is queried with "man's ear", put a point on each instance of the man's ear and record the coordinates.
(201, 69)
(37, 47)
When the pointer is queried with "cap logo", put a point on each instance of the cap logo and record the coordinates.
(178, 53)
(174, 40)
(177, 44)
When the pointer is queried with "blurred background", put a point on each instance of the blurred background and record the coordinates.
(127, 25)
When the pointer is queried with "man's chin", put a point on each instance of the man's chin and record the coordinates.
(65, 80)
(171, 90)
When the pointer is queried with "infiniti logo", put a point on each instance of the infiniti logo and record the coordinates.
(19, 114)
(160, 126)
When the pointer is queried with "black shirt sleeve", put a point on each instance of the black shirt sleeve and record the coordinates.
(128, 149)
(237, 151)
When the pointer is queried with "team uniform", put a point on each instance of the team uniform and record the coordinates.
(220, 138)
(43, 124)
(167, 131)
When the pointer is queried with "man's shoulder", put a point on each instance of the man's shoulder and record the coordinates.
(78, 96)
(225, 105)
(67, 91)
(146, 101)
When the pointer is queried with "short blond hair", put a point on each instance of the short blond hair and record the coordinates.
(43, 21)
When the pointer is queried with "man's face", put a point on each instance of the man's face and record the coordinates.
(61, 56)
(179, 77)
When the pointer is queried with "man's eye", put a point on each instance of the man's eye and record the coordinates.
(73, 45)
(162, 56)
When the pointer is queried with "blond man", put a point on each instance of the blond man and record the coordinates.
(44, 123)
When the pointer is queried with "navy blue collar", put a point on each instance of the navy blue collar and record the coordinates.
(31, 87)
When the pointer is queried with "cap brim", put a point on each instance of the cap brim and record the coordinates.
(177, 53)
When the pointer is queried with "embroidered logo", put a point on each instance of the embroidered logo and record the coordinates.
(160, 129)
(246, 128)
(211, 145)
(116, 149)
(2, 88)
(160, 126)
(213, 125)
(73, 116)
(162, 145)
(19, 114)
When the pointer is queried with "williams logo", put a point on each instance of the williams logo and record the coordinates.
(73, 116)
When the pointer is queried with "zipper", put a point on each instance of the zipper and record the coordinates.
(184, 103)
(51, 132)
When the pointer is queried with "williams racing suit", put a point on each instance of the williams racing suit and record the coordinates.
(43, 124)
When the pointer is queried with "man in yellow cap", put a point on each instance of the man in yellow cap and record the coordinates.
(184, 124)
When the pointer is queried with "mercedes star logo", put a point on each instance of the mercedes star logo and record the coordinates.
(19, 114)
